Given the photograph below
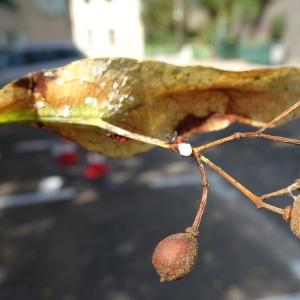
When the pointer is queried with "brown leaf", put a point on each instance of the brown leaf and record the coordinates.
(150, 98)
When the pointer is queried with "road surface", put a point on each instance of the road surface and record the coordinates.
(94, 239)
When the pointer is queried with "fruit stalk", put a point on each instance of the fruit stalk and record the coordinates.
(203, 201)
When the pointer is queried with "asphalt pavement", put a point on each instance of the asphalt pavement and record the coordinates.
(94, 239)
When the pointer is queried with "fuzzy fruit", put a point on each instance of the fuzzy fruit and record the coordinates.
(175, 256)
(295, 218)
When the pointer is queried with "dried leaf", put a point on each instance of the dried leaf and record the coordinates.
(150, 98)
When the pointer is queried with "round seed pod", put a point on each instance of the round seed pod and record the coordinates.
(175, 256)
(295, 218)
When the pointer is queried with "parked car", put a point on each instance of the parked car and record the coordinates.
(16, 61)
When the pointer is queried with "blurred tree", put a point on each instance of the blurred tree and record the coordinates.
(232, 22)
(179, 21)
(158, 20)
(236, 12)
(166, 22)
(212, 6)
(277, 27)
(251, 9)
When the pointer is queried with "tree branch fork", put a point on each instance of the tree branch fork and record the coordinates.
(258, 201)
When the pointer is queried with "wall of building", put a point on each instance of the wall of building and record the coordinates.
(108, 27)
(35, 21)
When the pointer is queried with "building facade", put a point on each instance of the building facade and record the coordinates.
(35, 21)
(107, 27)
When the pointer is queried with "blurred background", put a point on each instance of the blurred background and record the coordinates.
(77, 225)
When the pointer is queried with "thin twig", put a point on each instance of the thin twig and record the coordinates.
(256, 134)
(154, 141)
(254, 198)
(276, 138)
(280, 117)
(258, 201)
(203, 200)
(96, 122)
(288, 190)
(249, 135)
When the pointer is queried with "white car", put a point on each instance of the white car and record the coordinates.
(17, 61)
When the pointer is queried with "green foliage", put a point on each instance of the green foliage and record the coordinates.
(157, 18)
(211, 6)
(277, 27)
(227, 18)
(166, 45)
(250, 9)
(245, 11)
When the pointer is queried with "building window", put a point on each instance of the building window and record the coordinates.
(90, 37)
(112, 37)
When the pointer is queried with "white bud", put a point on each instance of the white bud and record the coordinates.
(185, 149)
